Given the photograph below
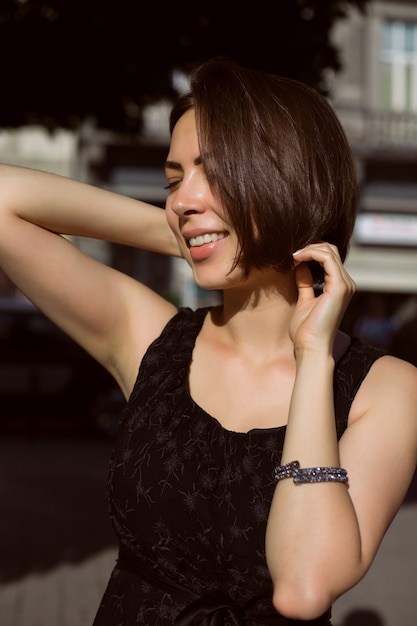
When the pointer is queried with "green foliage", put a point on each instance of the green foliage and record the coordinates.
(63, 61)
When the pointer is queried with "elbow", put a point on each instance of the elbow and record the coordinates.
(307, 603)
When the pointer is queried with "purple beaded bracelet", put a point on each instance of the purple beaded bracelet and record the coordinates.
(310, 474)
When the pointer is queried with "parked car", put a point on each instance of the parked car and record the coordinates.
(46, 376)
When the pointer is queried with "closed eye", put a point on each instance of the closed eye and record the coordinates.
(172, 185)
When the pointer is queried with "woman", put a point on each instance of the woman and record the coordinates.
(234, 405)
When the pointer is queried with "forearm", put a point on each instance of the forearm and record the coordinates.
(69, 207)
(313, 541)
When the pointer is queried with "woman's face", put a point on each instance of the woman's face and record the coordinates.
(195, 214)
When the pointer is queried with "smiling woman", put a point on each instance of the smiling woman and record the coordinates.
(255, 470)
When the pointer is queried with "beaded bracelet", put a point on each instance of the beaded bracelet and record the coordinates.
(310, 474)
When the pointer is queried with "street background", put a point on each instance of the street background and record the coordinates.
(57, 548)
(81, 108)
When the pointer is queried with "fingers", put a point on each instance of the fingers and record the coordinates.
(317, 317)
(327, 255)
(304, 282)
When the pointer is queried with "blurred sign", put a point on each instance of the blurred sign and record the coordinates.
(389, 229)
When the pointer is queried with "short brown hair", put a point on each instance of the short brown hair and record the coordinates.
(276, 155)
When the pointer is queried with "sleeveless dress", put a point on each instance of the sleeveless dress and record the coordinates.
(189, 500)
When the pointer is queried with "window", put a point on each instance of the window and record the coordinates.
(399, 66)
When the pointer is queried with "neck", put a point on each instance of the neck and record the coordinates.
(255, 317)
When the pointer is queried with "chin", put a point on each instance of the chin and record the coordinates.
(214, 283)
(209, 285)
(211, 277)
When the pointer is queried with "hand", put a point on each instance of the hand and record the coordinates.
(315, 320)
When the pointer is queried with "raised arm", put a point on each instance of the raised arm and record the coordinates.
(322, 537)
(111, 315)
(66, 206)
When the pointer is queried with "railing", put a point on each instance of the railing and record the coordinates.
(379, 128)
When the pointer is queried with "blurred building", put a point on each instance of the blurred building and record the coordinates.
(375, 97)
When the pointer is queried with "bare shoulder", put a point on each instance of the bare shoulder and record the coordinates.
(390, 389)
(394, 374)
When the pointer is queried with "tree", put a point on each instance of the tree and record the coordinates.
(63, 61)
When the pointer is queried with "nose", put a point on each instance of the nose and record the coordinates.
(189, 196)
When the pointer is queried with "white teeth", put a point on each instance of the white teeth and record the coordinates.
(207, 238)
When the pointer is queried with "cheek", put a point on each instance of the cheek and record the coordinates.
(171, 218)
(173, 222)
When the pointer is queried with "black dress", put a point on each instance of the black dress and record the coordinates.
(189, 500)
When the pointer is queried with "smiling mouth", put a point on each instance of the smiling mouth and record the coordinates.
(195, 242)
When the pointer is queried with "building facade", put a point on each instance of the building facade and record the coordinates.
(375, 97)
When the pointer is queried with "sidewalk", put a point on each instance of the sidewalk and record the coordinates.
(57, 549)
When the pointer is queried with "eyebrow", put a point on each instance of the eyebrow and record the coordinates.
(173, 165)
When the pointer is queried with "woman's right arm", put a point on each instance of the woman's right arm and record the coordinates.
(111, 315)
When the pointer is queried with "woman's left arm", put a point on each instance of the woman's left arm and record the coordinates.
(322, 537)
